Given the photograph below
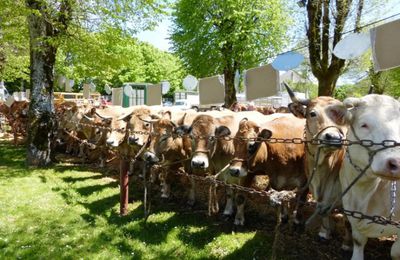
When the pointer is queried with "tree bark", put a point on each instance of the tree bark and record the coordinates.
(230, 91)
(324, 65)
(41, 111)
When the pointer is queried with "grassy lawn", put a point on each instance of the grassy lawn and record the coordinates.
(69, 212)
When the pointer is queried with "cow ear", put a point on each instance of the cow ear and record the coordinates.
(154, 116)
(183, 130)
(297, 109)
(222, 131)
(125, 117)
(339, 114)
(167, 115)
(265, 134)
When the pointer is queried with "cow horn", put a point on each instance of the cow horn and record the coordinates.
(148, 121)
(103, 117)
(123, 117)
(88, 118)
(293, 97)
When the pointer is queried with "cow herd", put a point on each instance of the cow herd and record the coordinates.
(345, 154)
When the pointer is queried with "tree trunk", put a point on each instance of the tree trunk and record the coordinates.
(230, 92)
(326, 86)
(41, 111)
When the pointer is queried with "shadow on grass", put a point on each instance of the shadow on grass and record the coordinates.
(259, 247)
(12, 156)
(88, 190)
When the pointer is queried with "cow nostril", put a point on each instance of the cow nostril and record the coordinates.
(328, 136)
(234, 172)
(393, 165)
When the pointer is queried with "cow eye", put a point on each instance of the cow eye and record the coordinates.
(313, 114)
(147, 125)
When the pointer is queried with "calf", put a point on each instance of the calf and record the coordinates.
(375, 118)
(282, 162)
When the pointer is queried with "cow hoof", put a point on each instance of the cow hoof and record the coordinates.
(322, 240)
(346, 248)
(190, 203)
(324, 236)
(239, 222)
(226, 217)
(285, 219)
(298, 227)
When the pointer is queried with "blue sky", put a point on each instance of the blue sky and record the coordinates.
(158, 37)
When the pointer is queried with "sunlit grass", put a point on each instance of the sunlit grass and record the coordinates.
(69, 212)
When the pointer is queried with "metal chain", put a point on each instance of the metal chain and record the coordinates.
(343, 142)
(393, 190)
(374, 219)
(277, 198)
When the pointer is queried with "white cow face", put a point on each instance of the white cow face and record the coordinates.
(375, 118)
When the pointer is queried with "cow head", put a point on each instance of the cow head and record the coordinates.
(162, 140)
(375, 118)
(118, 130)
(246, 146)
(319, 125)
(205, 131)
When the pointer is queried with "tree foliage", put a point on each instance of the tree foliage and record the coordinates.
(222, 36)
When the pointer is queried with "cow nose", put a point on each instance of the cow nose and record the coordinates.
(109, 142)
(198, 164)
(393, 165)
(150, 157)
(132, 140)
(333, 139)
(234, 172)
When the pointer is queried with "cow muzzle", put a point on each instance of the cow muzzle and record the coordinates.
(200, 162)
(332, 139)
(150, 157)
(132, 140)
(389, 169)
(237, 171)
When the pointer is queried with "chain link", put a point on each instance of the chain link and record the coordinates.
(374, 219)
(276, 197)
(343, 142)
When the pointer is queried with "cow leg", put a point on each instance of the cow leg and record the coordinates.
(229, 202)
(326, 228)
(395, 251)
(165, 186)
(359, 241)
(191, 199)
(213, 206)
(239, 217)
(347, 244)
(301, 199)
(285, 212)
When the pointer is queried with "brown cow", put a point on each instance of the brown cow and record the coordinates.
(282, 162)
(174, 151)
(324, 182)
(211, 151)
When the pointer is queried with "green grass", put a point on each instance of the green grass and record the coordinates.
(68, 212)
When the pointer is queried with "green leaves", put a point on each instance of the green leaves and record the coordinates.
(208, 35)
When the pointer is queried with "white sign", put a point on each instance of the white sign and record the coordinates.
(190, 82)
(165, 86)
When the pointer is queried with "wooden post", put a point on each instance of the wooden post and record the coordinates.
(124, 187)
